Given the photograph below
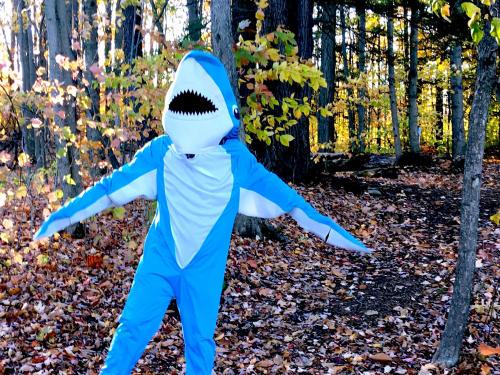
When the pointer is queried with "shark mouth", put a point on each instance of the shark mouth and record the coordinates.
(190, 102)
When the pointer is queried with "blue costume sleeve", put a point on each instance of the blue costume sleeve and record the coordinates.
(265, 195)
(133, 180)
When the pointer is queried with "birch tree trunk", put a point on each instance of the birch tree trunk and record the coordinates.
(361, 71)
(326, 125)
(392, 85)
(413, 81)
(58, 38)
(457, 104)
(449, 348)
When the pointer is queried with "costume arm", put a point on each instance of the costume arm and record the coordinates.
(265, 195)
(133, 180)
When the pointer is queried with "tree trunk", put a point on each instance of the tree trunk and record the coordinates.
(392, 85)
(439, 113)
(58, 38)
(243, 10)
(299, 153)
(194, 19)
(413, 81)
(290, 163)
(26, 57)
(345, 63)
(91, 57)
(326, 125)
(42, 135)
(406, 49)
(360, 9)
(221, 38)
(449, 348)
(457, 104)
(132, 37)
(128, 36)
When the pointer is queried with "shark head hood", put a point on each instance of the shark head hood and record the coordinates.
(200, 107)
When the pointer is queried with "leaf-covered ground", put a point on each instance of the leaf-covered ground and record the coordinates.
(288, 307)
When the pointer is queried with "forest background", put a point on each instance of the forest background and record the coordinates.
(406, 93)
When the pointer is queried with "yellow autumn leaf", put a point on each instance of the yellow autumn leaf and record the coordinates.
(17, 258)
(263, 4)
(7, 224)
(273, 54)
(313, 122)
(21, 192)
(5, 237)
(69, 180)
(72, 90)
(445, 11)
(496, 218)
(23, 159)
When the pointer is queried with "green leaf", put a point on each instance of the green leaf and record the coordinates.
(495, 29)
(477, 33)
(470, 9)
(61, 153)
(67, 132)
(285, 139)
(118, 212)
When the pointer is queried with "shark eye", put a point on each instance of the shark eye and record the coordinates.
(236, 112)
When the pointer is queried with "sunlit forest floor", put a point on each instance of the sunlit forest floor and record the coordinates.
(296, 306)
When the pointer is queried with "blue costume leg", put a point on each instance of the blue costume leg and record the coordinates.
(198, 301)
(149, 297)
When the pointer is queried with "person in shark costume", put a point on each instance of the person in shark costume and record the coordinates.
(202, 176)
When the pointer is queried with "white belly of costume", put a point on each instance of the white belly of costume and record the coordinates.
(197, 191)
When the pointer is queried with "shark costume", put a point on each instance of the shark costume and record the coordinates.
(202, 176)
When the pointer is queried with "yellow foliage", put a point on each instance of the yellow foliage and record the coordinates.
(496, 218)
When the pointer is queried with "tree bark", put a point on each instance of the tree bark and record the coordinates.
(291, 163)
(457, 104)
(346, 73)
(361, 70)
(392, 85)
(243, 10)
(58, 38)
(128, 36)
(220, 13)
(222, 38)
(26, 57)
(326, 125)
(91, 57)
(449, 348)
(413, 81)
(194, 19)
(439, 131)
